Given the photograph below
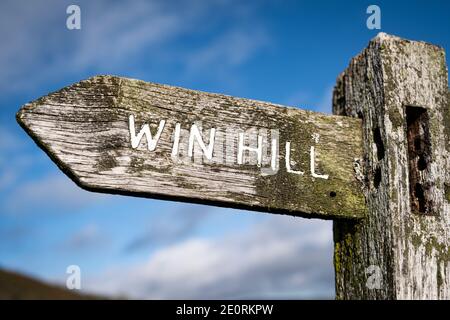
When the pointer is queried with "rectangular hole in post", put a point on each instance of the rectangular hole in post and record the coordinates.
(419, 158)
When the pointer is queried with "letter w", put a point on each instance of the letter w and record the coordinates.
(145, 130)
(267, 309)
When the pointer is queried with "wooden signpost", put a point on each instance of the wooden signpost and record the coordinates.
(127, 136)
(379, 168)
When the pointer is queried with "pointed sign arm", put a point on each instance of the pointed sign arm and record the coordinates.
(123, 136)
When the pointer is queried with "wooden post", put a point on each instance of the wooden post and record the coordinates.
(401, 250)
(383, 178)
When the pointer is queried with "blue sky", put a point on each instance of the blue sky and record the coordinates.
(287, 52)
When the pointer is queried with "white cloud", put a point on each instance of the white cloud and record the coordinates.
(113, 35)
(278, 257)
(52, 193)
(169, 228)
(13, 158)
(9, 141)
(229, 50)
(321, 102)
(88, 237)
(24, 53)
(7, 178)
(325, 104)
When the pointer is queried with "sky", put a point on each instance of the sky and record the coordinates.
(286, 52)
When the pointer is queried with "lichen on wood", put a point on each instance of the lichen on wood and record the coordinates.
(410, 248)
(85, 129)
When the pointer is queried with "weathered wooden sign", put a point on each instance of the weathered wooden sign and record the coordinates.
(386, 160)
(125, 136)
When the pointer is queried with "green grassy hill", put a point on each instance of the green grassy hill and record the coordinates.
(14, 286)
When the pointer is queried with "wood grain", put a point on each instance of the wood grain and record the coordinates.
(407, 242)
(85, 129)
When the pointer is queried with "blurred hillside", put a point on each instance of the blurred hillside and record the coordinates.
(14, 286)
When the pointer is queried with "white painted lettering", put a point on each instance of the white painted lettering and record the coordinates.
(313, 165)
(145, 130)
(241, 149)
(288, 160)
(196, 135)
